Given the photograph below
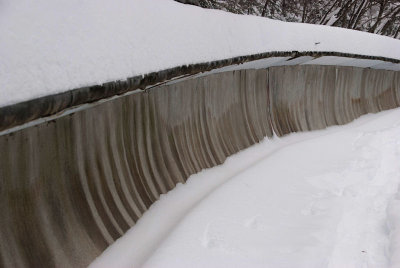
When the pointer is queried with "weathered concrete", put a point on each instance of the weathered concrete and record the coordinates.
(24, 112)
(70, 187)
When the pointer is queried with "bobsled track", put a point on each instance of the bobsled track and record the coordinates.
(72, 184)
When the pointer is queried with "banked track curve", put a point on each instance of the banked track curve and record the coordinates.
(71, 186)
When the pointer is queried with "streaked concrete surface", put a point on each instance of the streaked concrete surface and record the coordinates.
(71, 186)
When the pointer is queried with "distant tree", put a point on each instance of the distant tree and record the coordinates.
(374, 16)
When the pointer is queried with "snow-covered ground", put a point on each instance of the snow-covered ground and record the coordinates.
(328, 198)
(50, 46)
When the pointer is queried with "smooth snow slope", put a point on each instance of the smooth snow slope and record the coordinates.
(50, 46)
(327, 198)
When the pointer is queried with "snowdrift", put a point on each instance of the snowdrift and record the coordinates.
(51, 47)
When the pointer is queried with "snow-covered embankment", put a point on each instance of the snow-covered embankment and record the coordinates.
(328, 198)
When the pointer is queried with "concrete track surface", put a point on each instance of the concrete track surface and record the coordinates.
(71, 186)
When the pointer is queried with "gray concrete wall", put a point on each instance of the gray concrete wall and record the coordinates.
(20, 113)
(72, 186)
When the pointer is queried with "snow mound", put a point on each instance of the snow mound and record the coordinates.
(48, 46)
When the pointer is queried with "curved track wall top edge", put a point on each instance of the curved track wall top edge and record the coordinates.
(24, 112)
(71, 186)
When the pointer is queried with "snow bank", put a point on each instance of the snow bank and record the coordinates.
(50, 46)
(322, 199)
(393, 211)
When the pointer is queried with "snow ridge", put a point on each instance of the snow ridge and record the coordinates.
(48, 47)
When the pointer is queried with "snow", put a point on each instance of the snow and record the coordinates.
(328, 198)
(50, 46)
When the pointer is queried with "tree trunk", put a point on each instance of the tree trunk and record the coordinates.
(379, 18)
(356, 17)
(303, 18)
(327, 13)
(265, 8)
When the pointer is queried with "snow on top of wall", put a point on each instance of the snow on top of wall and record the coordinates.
(50, 46)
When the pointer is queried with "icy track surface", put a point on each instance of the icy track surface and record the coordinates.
(51, 46)
(328, 198)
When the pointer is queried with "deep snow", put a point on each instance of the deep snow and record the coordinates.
(50, 46)
(327, 198)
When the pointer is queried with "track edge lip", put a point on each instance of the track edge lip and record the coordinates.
(15, 116)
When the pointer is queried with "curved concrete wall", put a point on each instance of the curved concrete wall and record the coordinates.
(71, 186)
(21, 113)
